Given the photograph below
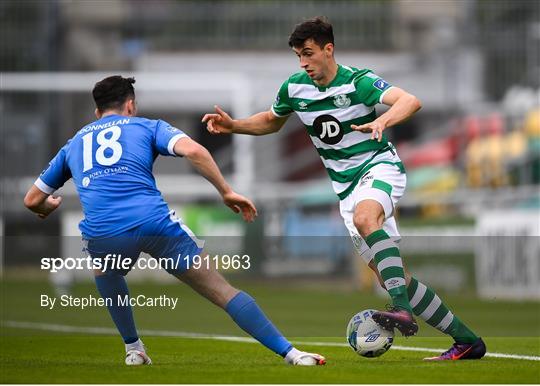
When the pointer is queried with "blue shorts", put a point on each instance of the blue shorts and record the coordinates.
(169, 241)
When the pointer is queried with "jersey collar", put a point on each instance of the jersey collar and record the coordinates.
(332, 83)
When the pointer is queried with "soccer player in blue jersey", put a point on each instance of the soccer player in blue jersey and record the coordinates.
(110, 161)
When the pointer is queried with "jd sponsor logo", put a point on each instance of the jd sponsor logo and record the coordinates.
(85, 181)
(328, 129)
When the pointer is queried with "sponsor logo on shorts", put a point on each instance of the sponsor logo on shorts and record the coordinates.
(367, 177)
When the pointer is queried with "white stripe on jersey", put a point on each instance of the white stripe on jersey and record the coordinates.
(308, 91)
(371, 75)
(339, 186)
(352, 112)
(357, 160)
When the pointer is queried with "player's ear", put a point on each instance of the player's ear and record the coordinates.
(131, 107)
(329, 49)
(98, 113)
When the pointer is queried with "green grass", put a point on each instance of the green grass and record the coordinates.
(98, 359)
(32, 356)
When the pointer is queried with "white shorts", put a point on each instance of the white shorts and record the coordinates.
(383, 183)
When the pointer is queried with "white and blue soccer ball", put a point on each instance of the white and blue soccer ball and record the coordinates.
(366, 337)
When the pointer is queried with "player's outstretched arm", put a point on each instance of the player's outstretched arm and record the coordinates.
(201, 159)
(259, 124)
(404, 105)
(41, 203)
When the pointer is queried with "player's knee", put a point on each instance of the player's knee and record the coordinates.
(365, 223)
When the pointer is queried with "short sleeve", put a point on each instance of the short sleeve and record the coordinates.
(165, 138)
(282, 106)
(371, 88)
(56, 174)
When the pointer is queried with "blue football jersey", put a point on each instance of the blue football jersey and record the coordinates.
(111, 161)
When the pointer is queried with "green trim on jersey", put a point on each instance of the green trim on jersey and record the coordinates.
(351, 151)
(349, 174)
(349, 99)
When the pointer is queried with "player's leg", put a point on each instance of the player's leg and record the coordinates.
(368, 218)
(428, 306)
(113, 288)
(176, 246)
(246, 313)
(364, 212)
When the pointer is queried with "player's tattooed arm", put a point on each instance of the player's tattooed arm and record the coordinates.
(41, 203)
(201, 160)
(403, 106)
(258, 124)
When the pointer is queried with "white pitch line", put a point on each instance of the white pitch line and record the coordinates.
(111, 331)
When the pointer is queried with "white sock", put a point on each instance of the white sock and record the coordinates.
(138, 345)
(292, 354)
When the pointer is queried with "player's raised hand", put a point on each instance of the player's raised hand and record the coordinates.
(239, 203)
(218, 123)
(375, 128)
(50, 204)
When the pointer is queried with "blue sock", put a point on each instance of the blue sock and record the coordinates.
(111, 287)
(247, 314)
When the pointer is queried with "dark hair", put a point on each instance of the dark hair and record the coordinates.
(318, 29)
(112, 92)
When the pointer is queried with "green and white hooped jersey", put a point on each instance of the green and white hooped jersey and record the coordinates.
(328, 113)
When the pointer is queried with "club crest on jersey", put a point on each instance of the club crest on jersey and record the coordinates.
(380, 84)
(328, 129)
(342, 101)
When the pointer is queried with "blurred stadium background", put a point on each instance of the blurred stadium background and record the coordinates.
(472, 153)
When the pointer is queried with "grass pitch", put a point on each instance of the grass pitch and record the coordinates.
(99, 359)
(38, 355)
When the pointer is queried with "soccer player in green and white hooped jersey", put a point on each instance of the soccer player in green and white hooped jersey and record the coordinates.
(336, 103)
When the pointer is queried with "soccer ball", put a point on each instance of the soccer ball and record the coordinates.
(366, 337)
